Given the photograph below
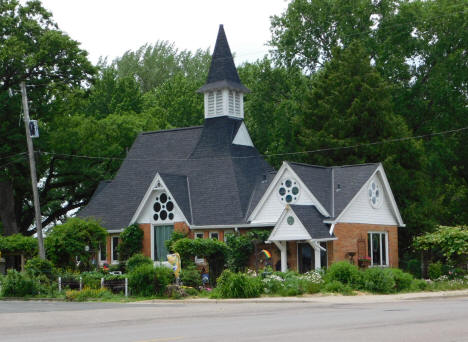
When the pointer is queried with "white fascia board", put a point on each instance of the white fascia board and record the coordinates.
(114, 231)
(156, 178)
(393, 204)
(285, 166)
(280, 219)
(243, 225)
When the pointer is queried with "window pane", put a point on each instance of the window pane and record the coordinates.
(115, 243)
(103, 252)
(384, 249)
(376, 249)
(215, 236)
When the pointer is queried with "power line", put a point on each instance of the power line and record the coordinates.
(456, 130)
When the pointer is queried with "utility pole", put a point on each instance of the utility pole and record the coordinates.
(32, 166)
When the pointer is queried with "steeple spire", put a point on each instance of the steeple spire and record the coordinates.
(223, 89)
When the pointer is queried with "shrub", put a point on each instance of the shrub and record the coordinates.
(137, 260)
(146, 280)
(86, 294)
(336, 286)
(435, 270)
(18, 243)
(131, 242)
(240, 247)
(190, 276)
(402, 279)
(345, 273)
(419, 285)
(414, 267)
(92, 280)
(37, 266)
(174, 237)
(239, 285)
(16, 284)
(378, 280)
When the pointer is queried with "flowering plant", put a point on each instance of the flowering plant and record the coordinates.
(366, 258)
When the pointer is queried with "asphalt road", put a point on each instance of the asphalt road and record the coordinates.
(435, 319)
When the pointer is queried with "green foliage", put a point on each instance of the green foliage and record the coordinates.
(414, 267)
(19, 284)
(240, 248)
(131, 242)
(337, 287)
(37, 266)
(345, 273)
(451, 242)
(86, 294)
(92, 279)
(379, 280)
(214, 251)
(138, 260)
(67, 241)
(239, 285)
(146, 280)
(403, 280)
(18, 243)
(191, 276)
(435, 270)
(174, 237)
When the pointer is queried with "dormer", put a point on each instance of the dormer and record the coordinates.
(223, 90)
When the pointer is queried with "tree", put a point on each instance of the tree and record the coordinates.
(131, 242)
(34, 50)
(75, 240)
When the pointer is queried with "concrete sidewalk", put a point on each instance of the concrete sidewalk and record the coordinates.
(320, 298)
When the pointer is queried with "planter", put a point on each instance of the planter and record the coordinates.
(364, 263)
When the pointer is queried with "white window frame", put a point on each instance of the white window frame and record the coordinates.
(226, 233)
(214, 232)
(199, 235)
(102, 261)
(384, 233)
(113, 261)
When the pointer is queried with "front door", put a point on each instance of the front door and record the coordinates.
(306, 257)
(161, 234)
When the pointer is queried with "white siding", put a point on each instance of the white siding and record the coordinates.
(242, 137)
(286, 232)
(273, 207)
(146, 215)
(361, 210)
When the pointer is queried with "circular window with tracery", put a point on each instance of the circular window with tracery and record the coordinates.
(375, 194)
(288, 191)
(163, 208)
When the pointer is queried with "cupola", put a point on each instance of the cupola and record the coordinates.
(223, 90)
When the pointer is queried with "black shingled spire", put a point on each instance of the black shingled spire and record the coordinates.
(223, 72)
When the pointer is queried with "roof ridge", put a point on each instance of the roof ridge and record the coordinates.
(308, 165)
(331, 167)
(354, 165)
(171, 130)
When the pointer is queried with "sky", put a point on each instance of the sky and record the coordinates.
(111, 27)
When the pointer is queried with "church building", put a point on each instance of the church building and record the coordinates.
(210, 181)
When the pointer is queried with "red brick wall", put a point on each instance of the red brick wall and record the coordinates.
(146, 228)
(182, 227)
(108, 249)
(348, 235)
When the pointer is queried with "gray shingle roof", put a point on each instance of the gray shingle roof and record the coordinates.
(202, 161)
(312, 220)
(223, 72)
(347, 180)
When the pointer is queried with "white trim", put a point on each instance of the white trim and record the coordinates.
(386, 185)
(141, 206)
(279, 175)
(380, 232)
(226, 233)
(210, 234)
(115, 231)
(152, 243)
(113, 261)
(234, 226)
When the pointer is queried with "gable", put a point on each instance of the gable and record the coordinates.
(242, 136)
(372, 204)
(288, 229)
(274, 200)
(158, 206)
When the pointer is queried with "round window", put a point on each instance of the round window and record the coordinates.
(375, 194)
(290, 220)
(288, 191)
(163, 208)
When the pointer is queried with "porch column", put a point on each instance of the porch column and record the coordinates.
(317, 248)
(284, 255)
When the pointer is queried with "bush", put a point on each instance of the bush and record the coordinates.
(402, 279)
(336, 286)
(240, 247)
(379, 280)
(238, 285)
(131, 242)
(137, 260)
(190, 276)
(92, 280)
(37, 266)
(419, 285)
(16, 284)
(345, 273)
(435, 270)
(86, 294)
(146, 280)
(414, 267)
(18, 243)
